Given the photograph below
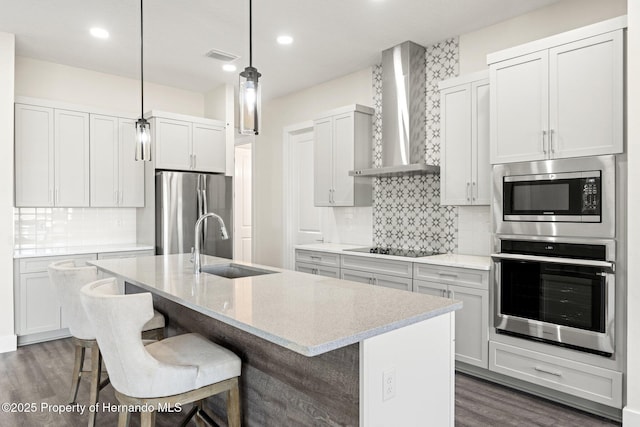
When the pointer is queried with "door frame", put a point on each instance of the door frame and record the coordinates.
(245, 140)
(288, 133)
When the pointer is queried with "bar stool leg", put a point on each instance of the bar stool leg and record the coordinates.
(123, 418)
(233, 405)
(148, 419)
(77, 372)
(96, 371)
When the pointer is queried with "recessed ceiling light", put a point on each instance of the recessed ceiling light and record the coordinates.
(229, 67)
(99, 33)
(285, 39)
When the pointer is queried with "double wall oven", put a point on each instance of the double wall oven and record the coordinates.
(555, 252)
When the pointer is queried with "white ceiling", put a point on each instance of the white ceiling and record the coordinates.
(331, 37)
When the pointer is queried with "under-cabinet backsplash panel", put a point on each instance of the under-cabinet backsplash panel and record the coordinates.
(64, 227)
(406, 209)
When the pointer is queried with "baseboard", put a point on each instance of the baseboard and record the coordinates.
(8, 343)
(630, 417)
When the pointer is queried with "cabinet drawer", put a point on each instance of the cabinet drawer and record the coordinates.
(377, 265)
(575, 378)
(318, 270)
(127, 254)
(40, 264)
(320, 258)
(452, 275)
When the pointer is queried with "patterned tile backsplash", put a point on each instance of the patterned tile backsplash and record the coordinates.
(63, 227)
(406, 209)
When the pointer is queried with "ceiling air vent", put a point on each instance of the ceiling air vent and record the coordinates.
(221, 56)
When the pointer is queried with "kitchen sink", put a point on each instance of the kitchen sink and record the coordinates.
(233, 271)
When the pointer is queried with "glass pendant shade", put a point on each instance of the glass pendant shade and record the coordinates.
(249, 100)
(143, 141)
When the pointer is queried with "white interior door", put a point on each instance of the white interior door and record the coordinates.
(306, 222)
(242, 204)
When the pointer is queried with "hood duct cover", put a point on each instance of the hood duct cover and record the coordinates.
(403, 113)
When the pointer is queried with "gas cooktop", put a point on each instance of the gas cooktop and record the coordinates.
(394, 252)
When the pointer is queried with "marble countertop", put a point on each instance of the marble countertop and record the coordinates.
(305, 313)
(77, 250)
(450, 260)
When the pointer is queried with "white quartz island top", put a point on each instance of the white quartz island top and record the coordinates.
(78, 250)
(305, 313)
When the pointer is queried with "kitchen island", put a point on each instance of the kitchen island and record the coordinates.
(315, 350)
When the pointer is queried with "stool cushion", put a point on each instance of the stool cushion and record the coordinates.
(214, 363)
(156, 322)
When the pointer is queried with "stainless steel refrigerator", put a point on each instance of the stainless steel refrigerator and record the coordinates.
(181, 197)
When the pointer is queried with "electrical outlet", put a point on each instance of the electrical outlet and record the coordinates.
(389, 384)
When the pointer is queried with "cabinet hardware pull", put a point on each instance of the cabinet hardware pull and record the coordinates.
(56, 197)
(450, 294)
(442, 273)
(551, 141)
(548, 371)
(51, 200)
(115, 197)
(314, 257)
(544, 145)
(474, 191)
(444, 293)
(195, 160)
(468, 192)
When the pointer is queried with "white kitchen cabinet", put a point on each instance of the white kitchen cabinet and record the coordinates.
(472, 321)
(465, 171)
(39, 315)
(342, 142)
(559, 97)
(319, 270)
(377, 279)
(320, 263)
(117, 180)
(52, 157)
(198, 144)
(377, 271)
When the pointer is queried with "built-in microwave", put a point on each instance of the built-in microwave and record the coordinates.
(562, 197)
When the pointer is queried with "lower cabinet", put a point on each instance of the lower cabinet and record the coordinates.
(320, 270)
(377, 279)
(568, 376)
(38, 312)
(472, 321)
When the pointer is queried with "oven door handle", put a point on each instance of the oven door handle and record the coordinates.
(608, 265)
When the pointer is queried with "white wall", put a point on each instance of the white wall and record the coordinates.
(48, 80)
(562, 16)
(7, 55)
(631, 413)
(277, 114)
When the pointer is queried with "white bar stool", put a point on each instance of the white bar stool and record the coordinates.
(177, 370)
(68, 278)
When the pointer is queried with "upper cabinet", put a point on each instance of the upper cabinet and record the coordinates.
(116, 178)
(190, 144)
(342, 142)
(74, 156)
(465, 172)
(51, 157)
(559, 97)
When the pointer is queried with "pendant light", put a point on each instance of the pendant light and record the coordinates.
(143, 140)
(249, 93)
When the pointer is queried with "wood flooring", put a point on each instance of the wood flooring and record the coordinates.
(41, 373)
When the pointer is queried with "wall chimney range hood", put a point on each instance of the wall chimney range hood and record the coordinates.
(403, 113)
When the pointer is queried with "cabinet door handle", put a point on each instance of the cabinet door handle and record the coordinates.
(474, 191)
(548, 371)
(544, 142)
(315, 257)
(195, 159)
(51, 199)
(121, 197)
(551, 141)
(442, 273)
(451, 294)
(375, 281)
(115, 197)
(56, 197)
(444, 293)
(468, 192)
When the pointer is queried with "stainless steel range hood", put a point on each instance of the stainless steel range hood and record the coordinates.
(403, 113)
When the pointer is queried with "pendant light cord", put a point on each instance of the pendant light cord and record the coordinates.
(141, 63)
(250, 37)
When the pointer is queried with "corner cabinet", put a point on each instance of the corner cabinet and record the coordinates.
(342, 142)
(188, 143)
(559, 97)
(465, 171)
(472, 321)
(51, 157)
(117, 180)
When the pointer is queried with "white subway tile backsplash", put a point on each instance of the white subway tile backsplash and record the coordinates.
(61, 227)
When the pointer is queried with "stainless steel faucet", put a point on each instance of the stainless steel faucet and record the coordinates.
(196, 252)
